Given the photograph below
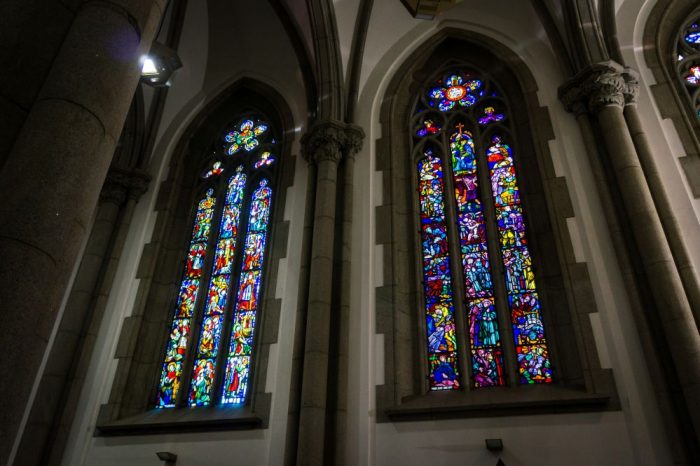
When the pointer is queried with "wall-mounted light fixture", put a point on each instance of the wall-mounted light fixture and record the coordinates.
(494, 444)
(428, 9)
(167, 457)
(158, 66)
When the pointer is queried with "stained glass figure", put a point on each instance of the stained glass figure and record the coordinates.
(462, 150)
(240, 350)
(440, 327)
(187, 296)
(528, 331)
(533, 361)
(204, 368)
(456, 91)
(236, 380)
(693, 77)
(246, 137)
(484, 338)
(218, 293)
(490, 116)
(178, 339)
(242, 335)
(202, 380)
(443, 371)
(266, 159)
(216, 169)
(428, 127)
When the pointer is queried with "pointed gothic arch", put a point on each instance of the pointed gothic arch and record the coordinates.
(203, 172)
(578, 381)
(671, 58)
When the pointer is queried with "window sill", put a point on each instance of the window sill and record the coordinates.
(490, 402)
(179, 420)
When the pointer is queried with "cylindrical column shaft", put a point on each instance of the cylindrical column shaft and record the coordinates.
(52, 178)
(665, 283)
(315, 379)
(685, 267)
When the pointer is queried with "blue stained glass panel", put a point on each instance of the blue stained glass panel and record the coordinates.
(211, 334)
(533, 361)
(477, 276)
(248, 291)
(511, 226)
(169, 384)
(177, 343)
(202, 381)
(527, 323)
(441, 327)
(218, 293)
(434, 240)
(487, 368)
(483, 323)
(444, 374)
(253, 251)
(187, 297)
(242, 336)
(519, 275)
(236, 380)
(223, 259)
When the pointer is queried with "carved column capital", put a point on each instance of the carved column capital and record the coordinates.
(331, 140)
(631, 90)
(121, 184)
(598, 86)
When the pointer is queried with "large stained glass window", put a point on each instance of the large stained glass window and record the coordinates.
(475, 255)
(210, 345)
(687, 58)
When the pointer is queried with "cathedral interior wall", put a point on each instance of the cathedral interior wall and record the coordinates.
(219, 48)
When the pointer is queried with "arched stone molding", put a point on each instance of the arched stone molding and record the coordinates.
(141, 341)
(660, 36)
(583, 384)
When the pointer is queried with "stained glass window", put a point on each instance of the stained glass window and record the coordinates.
(462, 143)
(686, 58)
(220, 291)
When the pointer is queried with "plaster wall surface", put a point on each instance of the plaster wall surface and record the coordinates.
(528, 441)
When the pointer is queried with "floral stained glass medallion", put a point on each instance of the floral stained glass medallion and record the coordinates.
(246, 137)
(456, 90)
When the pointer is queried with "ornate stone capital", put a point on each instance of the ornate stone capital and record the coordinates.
(121, 184)
(631, 90)
(331, 140)
(598, 86)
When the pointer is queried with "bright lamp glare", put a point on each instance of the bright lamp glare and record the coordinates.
(149, 67)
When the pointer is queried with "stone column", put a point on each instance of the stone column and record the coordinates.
(602, 89)
(685, 266)
(52, 178)
(55, 402)
(324, 145)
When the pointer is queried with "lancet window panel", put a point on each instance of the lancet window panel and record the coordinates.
(483, 317)
(687, 62)
(211, 340)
